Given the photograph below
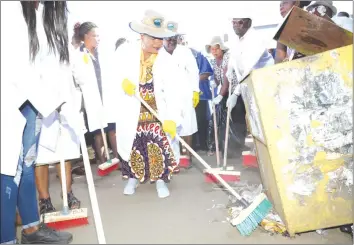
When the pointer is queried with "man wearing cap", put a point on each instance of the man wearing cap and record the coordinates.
(145, 142)
(189, 83)
(250, 53)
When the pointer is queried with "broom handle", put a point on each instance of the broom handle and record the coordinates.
(63, 172)
(104, 136)
(105, 143)
(226, 146)
(215, 131)
(92, 192)
(201, 160)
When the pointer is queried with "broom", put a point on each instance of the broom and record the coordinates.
(110, 165)
(66, 218)
(227, 173)
(253, 213)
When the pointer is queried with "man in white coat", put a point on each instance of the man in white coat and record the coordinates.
(249, 53)
(183, 57)
(144, 141)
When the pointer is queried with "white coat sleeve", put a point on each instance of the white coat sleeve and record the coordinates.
(193, 70)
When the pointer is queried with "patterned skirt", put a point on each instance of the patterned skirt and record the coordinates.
(152, 157)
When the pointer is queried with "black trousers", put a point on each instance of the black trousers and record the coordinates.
(200, 137)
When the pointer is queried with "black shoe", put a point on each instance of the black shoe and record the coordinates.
(73, 202)
(46, 206)
(45, 235)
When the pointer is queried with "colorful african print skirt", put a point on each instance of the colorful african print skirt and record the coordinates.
(151, 157)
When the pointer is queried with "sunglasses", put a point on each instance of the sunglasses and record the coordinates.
(171, 26)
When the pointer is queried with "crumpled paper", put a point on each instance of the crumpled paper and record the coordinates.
(273, 224)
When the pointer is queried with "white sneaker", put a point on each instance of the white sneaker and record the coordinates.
(162, 190)
(130, 187)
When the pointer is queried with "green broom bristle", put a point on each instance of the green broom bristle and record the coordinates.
(249, 224)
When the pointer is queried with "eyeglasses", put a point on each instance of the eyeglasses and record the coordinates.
(171, 38)
(238, 21)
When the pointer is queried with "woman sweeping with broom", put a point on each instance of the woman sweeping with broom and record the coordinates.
(89, 75)
(144, 143)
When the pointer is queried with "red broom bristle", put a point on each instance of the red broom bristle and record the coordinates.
(209, 178)
(107, 171)
(65, 224)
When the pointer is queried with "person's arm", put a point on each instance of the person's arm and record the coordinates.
(225, 86)
(205, 68)
(204, 76)
(280, 53)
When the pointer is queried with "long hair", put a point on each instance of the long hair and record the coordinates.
(55, 18)
(29, 13)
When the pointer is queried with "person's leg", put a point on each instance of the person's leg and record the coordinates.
(210, 128)
(99, 147)
(73, 202)
(211, 138)
(203, 125)
(42, 183)
(8, 200)
(32, 231)
(196, 137)
(112, 140)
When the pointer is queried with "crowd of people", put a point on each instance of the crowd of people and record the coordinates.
(54, 89)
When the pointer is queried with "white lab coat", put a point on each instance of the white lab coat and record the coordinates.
(20, 81)
(85, 77)
(249, 53)
(56, 142)
(187, 67)
(127, 108)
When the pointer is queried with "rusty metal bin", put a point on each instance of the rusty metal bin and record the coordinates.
(300, 114)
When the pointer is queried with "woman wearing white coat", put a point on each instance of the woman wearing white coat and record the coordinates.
(88, 74)
(59, 137)
(24, 92)
(142, 142)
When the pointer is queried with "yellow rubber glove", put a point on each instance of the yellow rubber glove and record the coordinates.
(195, 99)
(128, 87)
(169, 127)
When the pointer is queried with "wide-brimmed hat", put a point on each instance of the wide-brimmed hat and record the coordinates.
(216, 40)
(152, 24)
(326, 3)
(173, 26)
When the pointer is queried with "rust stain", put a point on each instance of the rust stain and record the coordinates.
(311, 40)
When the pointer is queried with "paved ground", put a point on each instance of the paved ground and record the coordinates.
(184, 217)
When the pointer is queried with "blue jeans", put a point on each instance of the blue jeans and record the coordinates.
(20, 190)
